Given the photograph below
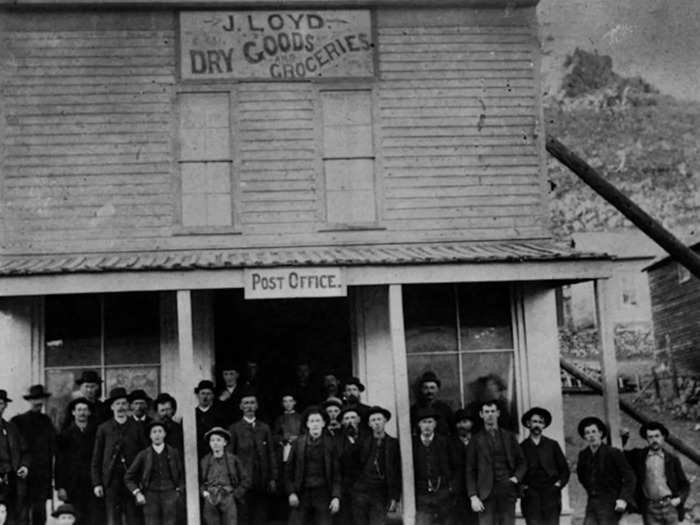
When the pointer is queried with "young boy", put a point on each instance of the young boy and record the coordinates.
(155, 478)
(287, 427)
(63, 515)
(222, 480)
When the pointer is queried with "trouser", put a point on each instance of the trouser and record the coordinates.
(541, 506)
(601, 511)
(89, 508)
(499, 507)
(660, 513)
(312, 508)
(462, 513)
(160, 507)
(369, 508)
(345, 515)
(224, 512)
(33, 512)
(254, 508)
(432, 507)
(120, 504)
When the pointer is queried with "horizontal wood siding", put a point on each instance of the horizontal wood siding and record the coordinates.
(675, 308)
(87, 143)
(458, 113)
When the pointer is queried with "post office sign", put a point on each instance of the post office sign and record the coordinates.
(281, 283)
(276, 45)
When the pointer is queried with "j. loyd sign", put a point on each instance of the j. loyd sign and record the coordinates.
(284, 45)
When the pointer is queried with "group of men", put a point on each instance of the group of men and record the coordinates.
(333, 463)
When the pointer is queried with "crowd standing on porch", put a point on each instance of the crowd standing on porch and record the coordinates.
(327, 456)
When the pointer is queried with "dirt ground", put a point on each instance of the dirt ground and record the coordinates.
(577, 406)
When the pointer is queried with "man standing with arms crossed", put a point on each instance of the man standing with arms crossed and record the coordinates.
(495, 466)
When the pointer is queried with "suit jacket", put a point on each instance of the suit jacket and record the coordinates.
(19, 453)
(237, 474)
(675, 477)
(392, 463)
(139, 474)
(174, 436)
(444, 454)
(110, 450)
(348, 456)
(40, 436)
(616, 478)
(73, 461)
(551, 459)
(479, 462)
(294, 468)
(231, 406)
(253, 446)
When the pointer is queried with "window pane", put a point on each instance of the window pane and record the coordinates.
(72, 330)
(132, 328)
(445, 366)
(491, 375)
(132, 378)
(204, 126)
(484, 315)
(429, 318)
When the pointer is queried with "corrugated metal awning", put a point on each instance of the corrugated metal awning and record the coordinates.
(360, 255)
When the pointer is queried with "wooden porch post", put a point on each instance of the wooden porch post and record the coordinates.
(611, 398)
(188, 371)
(403, 409)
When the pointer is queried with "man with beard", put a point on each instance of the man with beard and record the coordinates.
(428, 392)
(547, 471)
(351, 397)
(464, 427)
(73, 457)
(207, 415)
(40, 436)
(662, 487)
(14, 461)
(117, 443)
(347, 441)
(166, 406)
(495, 466)
(605, 474)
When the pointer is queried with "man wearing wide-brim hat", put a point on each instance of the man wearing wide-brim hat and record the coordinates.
(547, 471)
(140, 402)
(429, 397)
(662, 486)
(89, 386)
(605, 474)
(352, 393)
(39, 434)
(14, 461)
(117, 443)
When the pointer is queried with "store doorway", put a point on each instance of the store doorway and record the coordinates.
(279, 334)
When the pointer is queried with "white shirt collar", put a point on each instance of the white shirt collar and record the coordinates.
(205, 409)
(249, 421)
(158, 448)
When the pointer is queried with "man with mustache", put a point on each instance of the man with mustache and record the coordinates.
(547, 471)
(351, 398)
(428, 399)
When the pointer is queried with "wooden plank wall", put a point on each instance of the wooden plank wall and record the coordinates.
(89, 101)
(674, 308)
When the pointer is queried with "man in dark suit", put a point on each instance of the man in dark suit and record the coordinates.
(347, 442)
(139, 403)
(378, 486)
(428, 397)
(40, 436)
(464, 428)
(312, 473)
(207, 414)
(73, 459)
(547, 471)
(229, 397)
(351, 399)
(166, 407)
(662, 486)
(117, 443)
(495, 466)
(251, 441)
(434, 474)
(14, 461)
(89, 384)
(605, 474)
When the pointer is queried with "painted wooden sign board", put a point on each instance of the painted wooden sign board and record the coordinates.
(276, 45)
(282, 283)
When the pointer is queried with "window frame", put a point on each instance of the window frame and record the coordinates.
(208, 87)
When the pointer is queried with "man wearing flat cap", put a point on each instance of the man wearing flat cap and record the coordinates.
(662, 486)
(207, 414)
(14, 461)
(547, 471)
(40, 436)
(117, 443)
(605, 474)
(428, 398)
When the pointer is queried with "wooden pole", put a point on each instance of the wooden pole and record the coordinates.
(188, 372)
(641, 219)
(403, 408)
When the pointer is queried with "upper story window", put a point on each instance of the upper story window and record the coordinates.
(205, 160)
(348, 157)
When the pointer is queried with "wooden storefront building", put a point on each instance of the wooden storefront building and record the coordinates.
(360, 184)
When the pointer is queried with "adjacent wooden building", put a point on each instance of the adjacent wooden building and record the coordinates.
(359, 184)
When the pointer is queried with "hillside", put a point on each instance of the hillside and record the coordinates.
(645, 143)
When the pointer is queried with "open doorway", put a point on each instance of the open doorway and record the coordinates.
(279, 334)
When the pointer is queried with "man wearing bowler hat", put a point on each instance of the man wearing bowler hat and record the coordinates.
(89, 385)
(378, 487)
(14, 460)
(351, 398)
(40, 436)
(117, 443)
(207, 414)
(662, 486)
(428, 391)
(547, 471)
(605, 474)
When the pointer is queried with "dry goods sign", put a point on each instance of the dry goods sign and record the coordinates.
(281, 45)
